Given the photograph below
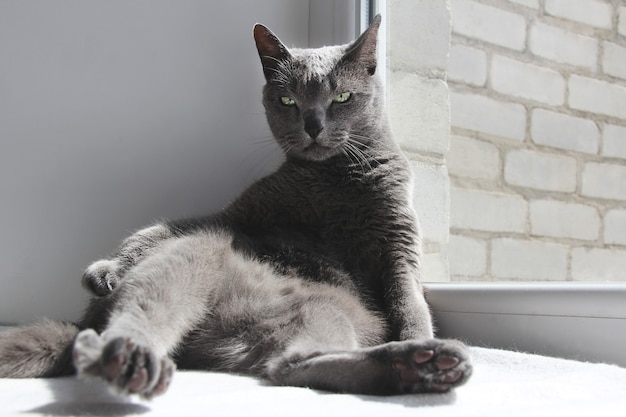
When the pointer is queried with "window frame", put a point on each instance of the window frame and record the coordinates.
(583, 321)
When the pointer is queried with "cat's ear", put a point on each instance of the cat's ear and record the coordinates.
(271, 50)
(363, 50)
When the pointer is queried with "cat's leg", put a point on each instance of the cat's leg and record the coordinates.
(408, 311)
(159, 301)
(430, 366)
(337, 348)
(104, 275)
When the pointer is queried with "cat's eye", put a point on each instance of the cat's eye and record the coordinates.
(342, 97)
(287, 101)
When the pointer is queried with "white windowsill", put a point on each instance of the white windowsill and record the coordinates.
(585, 321)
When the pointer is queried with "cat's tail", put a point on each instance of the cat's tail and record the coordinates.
(39, 350)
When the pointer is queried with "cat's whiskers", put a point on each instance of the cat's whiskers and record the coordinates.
(263, 140)
(360, 148)
(357, 160)
(360, 139)
(351, 159)
(358, 155)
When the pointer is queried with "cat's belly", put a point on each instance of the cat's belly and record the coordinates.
(254, 309)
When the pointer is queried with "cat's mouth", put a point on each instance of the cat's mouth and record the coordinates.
(320, 151)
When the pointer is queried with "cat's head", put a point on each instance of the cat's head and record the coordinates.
(321, 102)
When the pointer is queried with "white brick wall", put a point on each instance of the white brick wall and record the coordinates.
(418, 41)
(621, 26)
(604, 181)
(528, 3)
(431, 198)
(590, 12)
(467, 65)
(597, 96)
(564, 131)
(419, 112)
(615, 227)
(537, 156)
(592, 264)
(563, 46)
(540, 84)
(614, 141)
(435, 267)
(613, 60)
(487, 211)
(565, 220)
(486, 115)
(516, 259)
(540, 171)
(467, 256)
(475, 159)
(488, 24)
(418, 35)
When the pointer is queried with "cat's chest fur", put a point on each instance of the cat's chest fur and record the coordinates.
(332, 218)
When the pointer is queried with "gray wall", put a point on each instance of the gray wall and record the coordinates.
(113, 114)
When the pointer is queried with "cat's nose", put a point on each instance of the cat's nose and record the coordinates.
(313, 123)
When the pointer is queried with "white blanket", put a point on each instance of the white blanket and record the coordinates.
(505, 384)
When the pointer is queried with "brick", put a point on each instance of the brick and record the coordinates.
(533, 4)
(615, 227)
(527, 81)
(614, 141)
(489, 24)
(621, 24)
(597, 96)
(419, 112)
(614, 60)
(467, 256)
(564, 220)
(589, 12)
(529, 260)
(486, 115)
(487, 211)
(604, 181)
(540, 171)
(434, 268)
(563, 131)
(420, 34)
(594, 264)
(563, 46)
(472, 158)
(467, 65)
(431, 199)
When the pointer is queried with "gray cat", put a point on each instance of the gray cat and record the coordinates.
(309, 278)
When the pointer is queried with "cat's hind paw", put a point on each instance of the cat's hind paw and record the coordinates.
(431, 366)
(126, 366)
(101, 277)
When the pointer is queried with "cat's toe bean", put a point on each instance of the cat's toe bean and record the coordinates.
(115, 359)
(446, 362)
(165, 378)
(423, 356)
(452, 377)
(431, 366)
(127, 367)
(138, 381)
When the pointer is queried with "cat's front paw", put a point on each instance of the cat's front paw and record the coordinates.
(101, 277)
(126, 366)
(431, 366)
